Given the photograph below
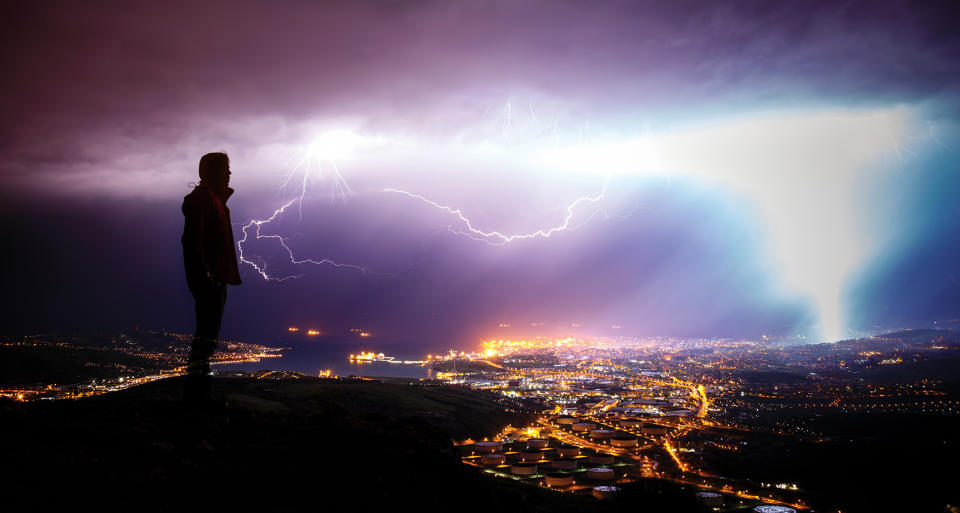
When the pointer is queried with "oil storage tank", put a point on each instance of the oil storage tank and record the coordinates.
(601, 458)
(558, 479)
(601, 474)
(605, 492)
(773, 508)
(537, 443)
(712, 499)
(492, 459)
(488, 447)
(524, 469)
(602, 434)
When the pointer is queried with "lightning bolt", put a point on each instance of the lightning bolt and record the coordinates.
(309, 166)
(320, 157)
(497, 238)
(261, 267)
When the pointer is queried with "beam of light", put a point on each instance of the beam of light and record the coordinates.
(497, 238)
(309, 165)
(803, 172)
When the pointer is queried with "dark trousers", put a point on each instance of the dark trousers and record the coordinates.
(209, 301)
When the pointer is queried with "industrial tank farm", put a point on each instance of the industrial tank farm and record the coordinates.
(593, 456)
(553, 460)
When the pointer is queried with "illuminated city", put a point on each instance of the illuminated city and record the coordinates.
(125, 360)
(669, 409)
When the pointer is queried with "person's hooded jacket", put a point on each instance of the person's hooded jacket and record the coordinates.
(208, 247)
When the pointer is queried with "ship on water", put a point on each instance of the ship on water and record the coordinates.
(380, 357)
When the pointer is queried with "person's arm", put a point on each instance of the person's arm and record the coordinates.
(194, 257)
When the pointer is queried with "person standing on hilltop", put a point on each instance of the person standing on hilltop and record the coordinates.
(210, 262)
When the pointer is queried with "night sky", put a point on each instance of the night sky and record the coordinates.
(762, 168)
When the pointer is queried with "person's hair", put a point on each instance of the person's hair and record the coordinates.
(212, 163)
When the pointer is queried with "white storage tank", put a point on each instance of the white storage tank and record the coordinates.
(568, 451)
(605, 492)
(623, 441)
(773, 508)
(583, 426)
(566, 421)
(713, 499)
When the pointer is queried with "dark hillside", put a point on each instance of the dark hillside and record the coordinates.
(291, 444)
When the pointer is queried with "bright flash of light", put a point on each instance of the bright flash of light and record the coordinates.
(318, 158)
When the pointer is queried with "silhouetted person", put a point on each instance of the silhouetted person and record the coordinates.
(210, 261)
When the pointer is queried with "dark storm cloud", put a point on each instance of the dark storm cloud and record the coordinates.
(120, 75)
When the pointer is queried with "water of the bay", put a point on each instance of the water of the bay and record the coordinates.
(311, 356)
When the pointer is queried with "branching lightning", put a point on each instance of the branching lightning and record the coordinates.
(318, 160)
(261, 267)
(311, 162)
(497, 238)
(317, 157)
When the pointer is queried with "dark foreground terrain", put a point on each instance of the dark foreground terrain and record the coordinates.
(289, 444)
